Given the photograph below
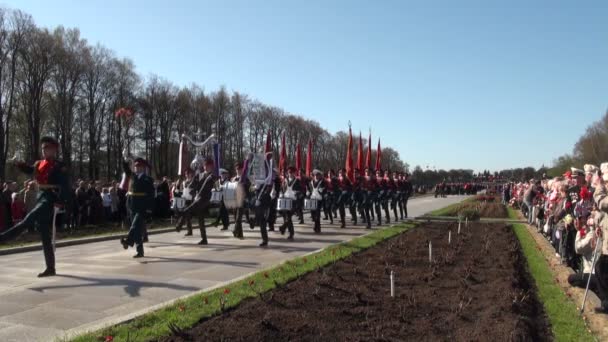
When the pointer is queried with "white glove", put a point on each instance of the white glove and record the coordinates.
(197, 198)
(273, 194)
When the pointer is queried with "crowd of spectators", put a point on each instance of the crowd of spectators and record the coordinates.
(92, 203)
(571, 212)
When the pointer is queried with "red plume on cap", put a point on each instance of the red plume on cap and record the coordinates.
(368, 157)
(349, 155)
(379, 157)
(309, 158)
(298, 157)
(360, 153)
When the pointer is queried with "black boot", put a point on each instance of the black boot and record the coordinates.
(124, 243)
(140, 251)
(49, 272)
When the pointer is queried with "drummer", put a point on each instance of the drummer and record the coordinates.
(291, 189)
(187, 193)
(316, 189)
(223, 212)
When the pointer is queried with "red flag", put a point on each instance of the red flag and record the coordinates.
(283, 156)
(268, 147)
(360, 154)
(349, 155)
(298, 157)
(309, 158)
(378, 157)
(368, 158)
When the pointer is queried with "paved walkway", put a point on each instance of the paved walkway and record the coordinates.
(100, 284)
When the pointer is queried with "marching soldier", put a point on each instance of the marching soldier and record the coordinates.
(54, 190)
(244, 184)
(316, 190)
(386, 193)
(391, 180)
(408, 190)
(188, 194)
(345, 193)
(299, 203)
(140, 201)
(201, 202)
(398, 194)
(368, 186)
(331, 195)
(291, 187)
(263, 199)
(358, 197)
(272, 211)
(223, 212)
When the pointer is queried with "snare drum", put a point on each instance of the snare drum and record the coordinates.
(233, 195)
(178, 203)
(311, 204)
(216, 196)
(284, 204)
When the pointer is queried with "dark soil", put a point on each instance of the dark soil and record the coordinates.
(481, 208)
(476, 289)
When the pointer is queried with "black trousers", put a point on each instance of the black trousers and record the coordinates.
(198, 209)
(223, 216)
(262, 210)
(40, 217)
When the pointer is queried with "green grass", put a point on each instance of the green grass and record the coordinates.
(187, 313)
(566, 323)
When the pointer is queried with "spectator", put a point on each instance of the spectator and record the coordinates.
(106, 200)
(114, 201)
(17, 208)
(82, 204)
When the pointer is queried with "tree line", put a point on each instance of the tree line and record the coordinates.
(591, 148)
(54, 82)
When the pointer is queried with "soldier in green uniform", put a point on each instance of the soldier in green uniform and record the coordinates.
(140, 200)
(54, 191)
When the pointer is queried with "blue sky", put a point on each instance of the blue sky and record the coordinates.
(454, 84)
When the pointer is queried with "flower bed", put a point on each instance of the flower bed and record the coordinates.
(470, 291)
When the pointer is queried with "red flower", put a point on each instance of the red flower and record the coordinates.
(226, 291)
(251, 282)
(266, 275)
(109, 338)
(182, 308)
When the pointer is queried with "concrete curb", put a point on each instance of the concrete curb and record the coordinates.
(80, 241)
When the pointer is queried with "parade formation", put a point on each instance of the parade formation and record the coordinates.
(259, 193)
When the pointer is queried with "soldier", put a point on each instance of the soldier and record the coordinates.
(316, 190)
(200, 204)
(299, 203)
(188, 192)
(272, 211)
(368, 186)
(331, 195)
(392, 180)
(291, 188)
(379, 191)
(263, 199)
(223, 212)
(357, 197)
(344, 194)
(244, 184)
(407, 190)
(53, 191)
(140, 200)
